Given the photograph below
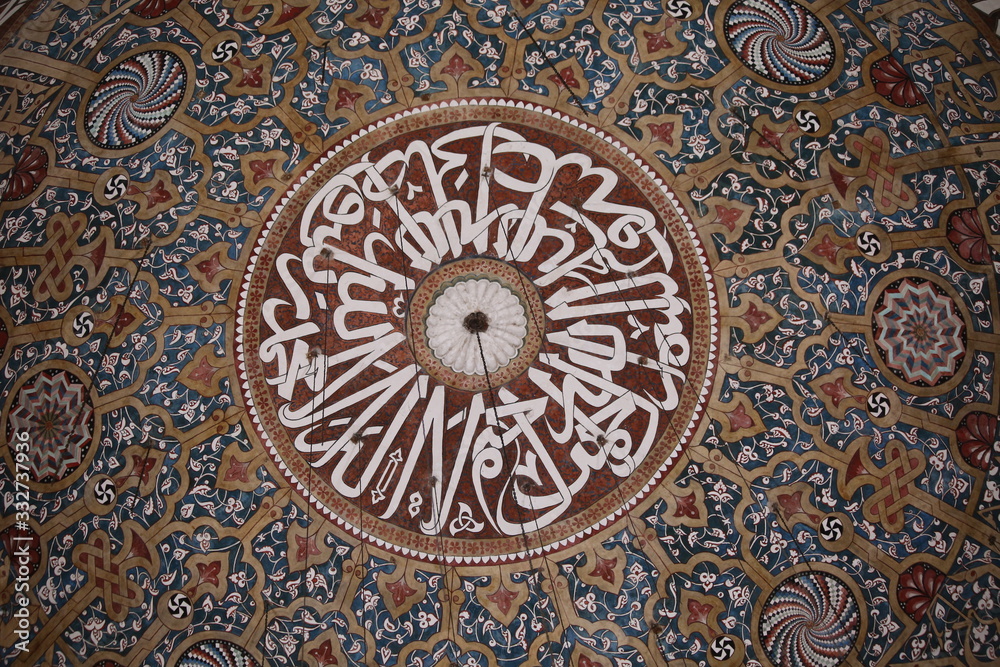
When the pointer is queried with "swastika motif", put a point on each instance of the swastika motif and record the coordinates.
(831, 528)
(878, 404)
(722, 647)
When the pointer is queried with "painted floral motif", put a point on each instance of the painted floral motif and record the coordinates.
(918, 587)
(894, 84)
(965, 231)
(54, 408)
(27, 174)
(977, 439)
(919, 332)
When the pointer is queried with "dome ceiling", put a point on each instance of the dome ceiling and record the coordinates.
(568, 334)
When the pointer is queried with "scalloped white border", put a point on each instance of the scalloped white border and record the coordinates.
(682, 442)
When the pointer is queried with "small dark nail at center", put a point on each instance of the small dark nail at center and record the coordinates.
(476, 322)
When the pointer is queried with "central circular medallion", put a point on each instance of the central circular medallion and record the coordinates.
(476, 332)
(472, 314)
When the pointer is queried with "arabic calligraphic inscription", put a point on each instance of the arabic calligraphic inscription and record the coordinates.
(477, 331)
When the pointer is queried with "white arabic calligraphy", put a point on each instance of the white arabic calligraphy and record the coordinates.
(606, 424)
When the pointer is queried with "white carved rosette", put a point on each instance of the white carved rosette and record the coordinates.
(476, 326)
(473, 310)
(448, 238)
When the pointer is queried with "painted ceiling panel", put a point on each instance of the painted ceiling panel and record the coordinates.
(413, 333)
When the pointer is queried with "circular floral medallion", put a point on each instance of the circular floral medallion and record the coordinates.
(135, 99)
(476, 326)
(810, 620)
(919, 332)
(917, 589)
(475, 311)
(476, 331)
(216, 653)
(780, 40)
(54, 409)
